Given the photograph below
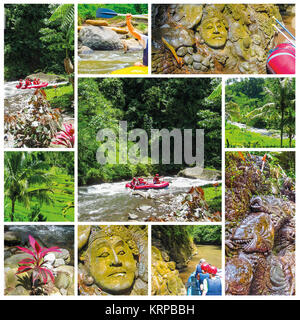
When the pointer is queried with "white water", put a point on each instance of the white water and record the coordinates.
(10, 89)
(265, 132)
(100, 62)
(114, 202)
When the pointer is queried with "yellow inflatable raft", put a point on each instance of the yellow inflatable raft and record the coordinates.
(131, 70)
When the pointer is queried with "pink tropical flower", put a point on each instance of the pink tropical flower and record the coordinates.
(66, 137)
(35, 264)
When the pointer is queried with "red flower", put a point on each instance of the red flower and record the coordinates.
(35, 264)
(66, 137)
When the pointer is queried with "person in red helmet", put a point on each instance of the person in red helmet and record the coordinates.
(134, 182)
(156, 179)
(212, 286)
(142, 181)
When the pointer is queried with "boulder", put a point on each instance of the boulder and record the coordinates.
(132, 45)
(85, 50)
(13, 260)
(46, 77)
(11, 238)
(200, 173)
(64, 254)
(100, 38)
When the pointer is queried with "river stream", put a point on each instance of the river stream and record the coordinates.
(101, 62)
(114, 202)
(211, 253)
(264, 132)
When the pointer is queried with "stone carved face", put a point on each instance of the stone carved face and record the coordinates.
(112, 264)
(214, 32)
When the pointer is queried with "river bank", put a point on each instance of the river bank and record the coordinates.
(59, 93)
(114, 202)
(240, 135)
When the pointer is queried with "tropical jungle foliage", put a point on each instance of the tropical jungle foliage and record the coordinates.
(146, 103)
(39, 186)
(198, 234)
(260, 103)
(38, 38)
(88, 11)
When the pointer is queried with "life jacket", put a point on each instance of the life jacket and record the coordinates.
(214, 287)
(203, 276)
(145, 53)
(156, 180)
(282, 59)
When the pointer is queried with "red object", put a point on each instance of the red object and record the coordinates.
(282, 59)
(212, 270)
(35, 84)
(205, 266)
(161, 185)
(35, 263)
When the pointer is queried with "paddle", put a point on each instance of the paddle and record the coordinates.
(108, 13)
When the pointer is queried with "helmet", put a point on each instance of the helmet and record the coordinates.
(204, 266)
(213, 270)
(157, 175)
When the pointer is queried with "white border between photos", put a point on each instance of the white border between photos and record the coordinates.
(192, 299)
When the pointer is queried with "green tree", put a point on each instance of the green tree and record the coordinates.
(281, 96)
(25, 179)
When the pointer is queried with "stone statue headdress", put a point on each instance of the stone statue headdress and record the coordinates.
(107, 232)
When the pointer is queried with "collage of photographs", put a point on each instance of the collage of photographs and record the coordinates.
(148, 150)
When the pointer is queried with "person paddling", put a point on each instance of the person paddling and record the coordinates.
(143, 40)
(212, 286)
(203, 275)
(156, 179)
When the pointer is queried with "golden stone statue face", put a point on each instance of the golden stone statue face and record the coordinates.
(213, 32)
(112, 264)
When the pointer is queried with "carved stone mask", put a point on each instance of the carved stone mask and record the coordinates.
(214, 32)
(112, 264)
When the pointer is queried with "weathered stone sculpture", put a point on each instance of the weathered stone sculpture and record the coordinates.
(114, 260)
(207, 38)
(260, 231)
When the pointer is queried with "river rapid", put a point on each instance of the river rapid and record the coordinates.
(114, 202)
(103, 62)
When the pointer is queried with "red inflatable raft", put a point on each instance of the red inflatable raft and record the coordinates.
(161, 185)
(282, 59)
(31, 84)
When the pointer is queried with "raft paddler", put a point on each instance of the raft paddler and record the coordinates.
(156, 179)
(202, 275)
(212, 286)
(143, 40)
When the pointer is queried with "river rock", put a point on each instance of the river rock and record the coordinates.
(11, 238)
(145, 208)
(59, 262)
(100, 38)
(200, 173)
(132, 45)
(14, 259)
(64, 254)
(132, 216)
(85, 50)
(46, 77)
